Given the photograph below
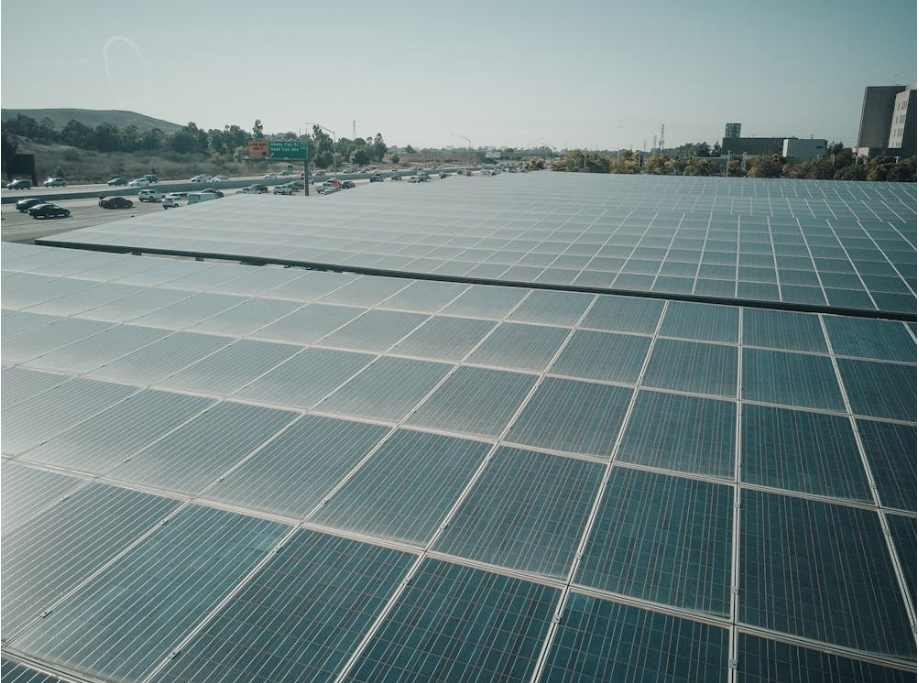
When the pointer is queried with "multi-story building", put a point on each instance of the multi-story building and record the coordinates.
(888, 123)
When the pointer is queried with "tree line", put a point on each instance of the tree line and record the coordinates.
(229, 144)
(840, 164)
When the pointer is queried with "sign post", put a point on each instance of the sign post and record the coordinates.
(282, 150)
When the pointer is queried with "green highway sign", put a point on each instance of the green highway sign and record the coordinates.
(286, 149)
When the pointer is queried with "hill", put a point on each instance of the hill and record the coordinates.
(93, 117)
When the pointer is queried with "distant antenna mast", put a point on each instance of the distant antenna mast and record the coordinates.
(354, 129)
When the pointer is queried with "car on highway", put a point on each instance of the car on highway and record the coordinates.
(254, 189)
(329, 186)
(115, 203)
(20, 184)
(139, 182)
(117, 181)
(196, 197)
(49, 211)
(56, 181)
(148, 195)
(26, 204)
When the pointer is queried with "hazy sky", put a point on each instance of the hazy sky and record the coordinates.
(596, 73)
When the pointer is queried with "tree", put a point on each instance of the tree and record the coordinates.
(9, 146)
(183, 142)
(378, 148)
(152, 140)
(765, 166)
(76, 134)
(106, 138)
(656, 165)
(129, 137)
(257, 132)
(360, 156)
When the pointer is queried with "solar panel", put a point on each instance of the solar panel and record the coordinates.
(543, 478)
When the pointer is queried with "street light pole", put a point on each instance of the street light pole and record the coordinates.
(469, 143)
(334, 142)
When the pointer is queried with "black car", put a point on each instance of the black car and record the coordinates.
(117, 181)
(115, 203)
(49, 211)
(26, 204)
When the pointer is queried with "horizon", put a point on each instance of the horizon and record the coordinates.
(511, 75)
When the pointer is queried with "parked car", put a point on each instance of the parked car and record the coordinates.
(214, 191)
(117, 181)
(55, 182)
(21, 184)
(139, 182)
(203, 178)
(115, 203)
(26, 204)
(48, 211)
(347, 185)
(148, 195)
(376, 178)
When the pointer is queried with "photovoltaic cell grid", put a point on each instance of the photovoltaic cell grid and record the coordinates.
(597, 427)
(846, 245)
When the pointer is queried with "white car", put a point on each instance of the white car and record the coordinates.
(148, 195)
(140, 182)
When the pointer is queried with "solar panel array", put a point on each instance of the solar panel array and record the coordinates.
(215, 472)
(834, 245)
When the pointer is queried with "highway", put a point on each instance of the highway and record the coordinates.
(83, 202)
